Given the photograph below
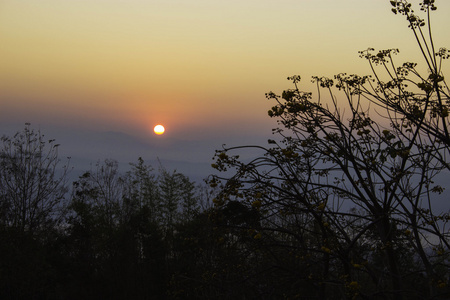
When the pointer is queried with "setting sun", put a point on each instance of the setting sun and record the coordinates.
(159, 129)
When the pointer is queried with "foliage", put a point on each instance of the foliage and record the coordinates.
(113, 236)
(340, 206)
(32, 188)
(350, 194)
(122, 228)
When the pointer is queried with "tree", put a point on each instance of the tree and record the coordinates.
(142, 188)
(114, 242)
(31, 185)
(32, 191)
(177, 199)
(350, 193)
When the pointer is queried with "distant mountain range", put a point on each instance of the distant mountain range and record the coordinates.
(192, 158)
(87, 148)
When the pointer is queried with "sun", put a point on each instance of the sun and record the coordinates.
(159, 129)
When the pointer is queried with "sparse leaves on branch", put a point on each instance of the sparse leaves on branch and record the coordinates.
(350, 186)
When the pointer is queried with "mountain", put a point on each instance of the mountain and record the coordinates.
(85, 149)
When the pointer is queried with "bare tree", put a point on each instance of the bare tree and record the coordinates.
(32, 186)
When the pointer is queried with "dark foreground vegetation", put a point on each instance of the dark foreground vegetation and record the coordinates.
(341, 207)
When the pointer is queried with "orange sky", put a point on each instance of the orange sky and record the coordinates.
(200, 67)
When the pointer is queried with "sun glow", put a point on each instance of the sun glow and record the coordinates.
(159, 129)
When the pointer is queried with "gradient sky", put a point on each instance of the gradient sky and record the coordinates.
(200, 67)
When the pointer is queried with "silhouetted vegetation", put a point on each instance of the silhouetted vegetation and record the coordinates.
(346, 197)
(109, 236)
(340, 208)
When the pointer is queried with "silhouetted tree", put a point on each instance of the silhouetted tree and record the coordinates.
(334, 156)
(31, 185)
(32, 190)
(142, 188)
(116, 246)
(116, 236)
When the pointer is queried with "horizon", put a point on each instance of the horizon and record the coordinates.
(301, 150)
(78, 70)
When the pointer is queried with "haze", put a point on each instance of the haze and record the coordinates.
(98, 75)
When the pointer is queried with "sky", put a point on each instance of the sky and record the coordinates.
(98, 75)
